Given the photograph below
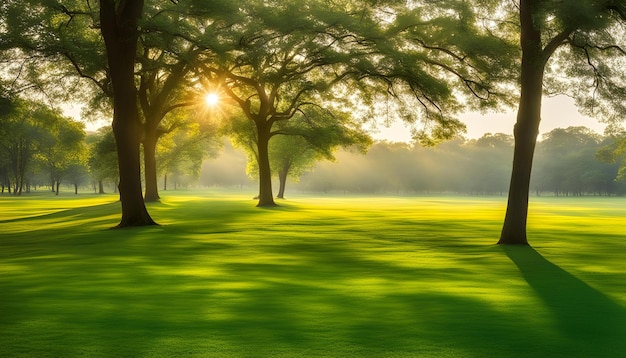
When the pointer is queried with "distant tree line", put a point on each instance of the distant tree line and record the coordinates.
(39, 147)
(569, 162)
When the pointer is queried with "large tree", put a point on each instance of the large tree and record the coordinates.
(69, 39)
(300, 142)
(166, 76)
(119, 26)
(285, 58)
(587, 30)
(65, 39)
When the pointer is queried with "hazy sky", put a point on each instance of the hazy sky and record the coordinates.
(557, 112)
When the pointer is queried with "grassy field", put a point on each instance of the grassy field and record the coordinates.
(337, 277)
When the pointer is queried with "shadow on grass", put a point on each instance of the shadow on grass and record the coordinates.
(585, 316)
(62, 215)
(228, 280)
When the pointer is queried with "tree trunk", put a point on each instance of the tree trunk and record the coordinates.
(526, 129)
(165, 181)
(100, 187)
(282, 179)
(266, 198)
(75, 189)
(56, 184)
(119, 30)
(150, 168)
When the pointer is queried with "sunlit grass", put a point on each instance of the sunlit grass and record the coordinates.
(334, 276)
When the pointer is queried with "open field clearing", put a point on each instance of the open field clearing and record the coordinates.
(317, 276)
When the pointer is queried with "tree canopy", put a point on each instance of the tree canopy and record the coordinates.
(332, 65)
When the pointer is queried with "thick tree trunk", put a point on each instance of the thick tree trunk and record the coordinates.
(150, 167)
(75, 189)
(119, 30)
(526, 129)
(266, 198)
(56, 190)
(100, 187)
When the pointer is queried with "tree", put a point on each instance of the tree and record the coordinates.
(49, 31)
(300, 142)
(567, 163)
(284, 58)
(7, 106)
(64, 147)
(103, 158)
(119, 22)
(182, 151)
(290, 156)
(545, 28)
(24, 133)
(167, 72)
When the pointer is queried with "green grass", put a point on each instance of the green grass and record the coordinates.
(338, 277)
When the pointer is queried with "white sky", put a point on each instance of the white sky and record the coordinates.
(557, 112)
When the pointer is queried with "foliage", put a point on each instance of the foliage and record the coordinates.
(182, 151)
(65, 149)
(566, 165)
(284, 59)
(35, 134)
(56, 49)
(103, 157)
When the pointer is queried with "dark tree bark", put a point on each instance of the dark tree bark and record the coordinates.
(100, 187)
(156, 103)
(534, 59)
(266, 197)
(119, 30)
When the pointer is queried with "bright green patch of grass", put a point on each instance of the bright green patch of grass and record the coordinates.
(314, 277)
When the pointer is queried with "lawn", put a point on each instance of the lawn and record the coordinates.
(317, 276)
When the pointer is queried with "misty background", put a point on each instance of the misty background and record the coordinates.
(568, 162)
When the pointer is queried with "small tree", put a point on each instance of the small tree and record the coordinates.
(64, 147)
(182, 151)
(103, 158)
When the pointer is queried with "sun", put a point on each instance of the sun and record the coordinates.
(211, 99)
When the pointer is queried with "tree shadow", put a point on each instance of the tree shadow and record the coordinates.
(584, 316)
(62, 214)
